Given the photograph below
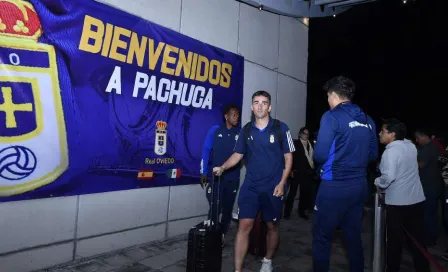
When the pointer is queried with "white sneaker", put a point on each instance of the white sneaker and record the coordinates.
(266, 265)
(235, 216)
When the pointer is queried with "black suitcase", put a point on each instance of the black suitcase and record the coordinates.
(205, 246)
(204, 249)
(257, 237)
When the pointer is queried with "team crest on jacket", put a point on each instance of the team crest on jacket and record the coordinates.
(236, 137)
(271, 139)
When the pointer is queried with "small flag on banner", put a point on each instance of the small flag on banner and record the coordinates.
(174, 173)
(145, 174)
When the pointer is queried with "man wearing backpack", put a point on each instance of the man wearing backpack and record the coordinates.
(220, 141)
(268, 146)
(346, 143)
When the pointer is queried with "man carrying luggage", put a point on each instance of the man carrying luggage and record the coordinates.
(268, 146)
(346, 143)
(221, 140)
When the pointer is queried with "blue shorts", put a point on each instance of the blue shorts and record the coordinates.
(253, 199)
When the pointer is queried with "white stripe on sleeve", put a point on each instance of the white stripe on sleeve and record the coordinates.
(290, 141)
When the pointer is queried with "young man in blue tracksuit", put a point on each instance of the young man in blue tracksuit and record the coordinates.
(268, 146)
(346, 143)
(220, 141)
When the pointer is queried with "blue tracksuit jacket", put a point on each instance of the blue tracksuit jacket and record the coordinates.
(346, 142)
(221, 141)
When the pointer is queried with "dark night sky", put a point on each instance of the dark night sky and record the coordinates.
(397, 55)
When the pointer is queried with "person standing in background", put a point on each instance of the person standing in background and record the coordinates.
(302, 173)
(438, 142)
(430, 176)
(443, 160)
(404, 196)
(221, 140)
(346, 143)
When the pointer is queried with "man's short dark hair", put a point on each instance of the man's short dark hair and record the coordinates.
(262, 93)
(423, 132)
(396, 126)
(342, 86)
(302, 130)
(228, 108)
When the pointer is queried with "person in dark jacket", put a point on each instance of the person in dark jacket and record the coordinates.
(346, 143)
(302, 173)
(429, 169)
(220, 142)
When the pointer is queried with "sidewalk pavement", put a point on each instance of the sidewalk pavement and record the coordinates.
(294, 254)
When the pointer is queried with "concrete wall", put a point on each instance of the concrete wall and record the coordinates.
(41, 233)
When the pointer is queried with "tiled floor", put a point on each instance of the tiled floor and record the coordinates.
(294, 254)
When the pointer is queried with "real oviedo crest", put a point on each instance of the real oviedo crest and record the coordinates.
(33, 142)
(160, 138)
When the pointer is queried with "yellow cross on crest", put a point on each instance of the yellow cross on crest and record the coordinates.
(10, 108)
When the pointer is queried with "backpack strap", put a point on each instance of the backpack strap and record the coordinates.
(246, 133)
(278, 133)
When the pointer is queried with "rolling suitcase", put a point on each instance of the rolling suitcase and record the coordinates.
(257, 237)
(205, 244)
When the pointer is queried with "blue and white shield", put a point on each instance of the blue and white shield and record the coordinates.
(33, 142)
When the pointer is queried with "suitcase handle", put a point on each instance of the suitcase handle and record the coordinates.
(217, 202)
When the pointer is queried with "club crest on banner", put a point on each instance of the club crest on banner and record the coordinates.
(160, 139)
(33, 142)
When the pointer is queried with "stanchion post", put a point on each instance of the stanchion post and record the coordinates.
(379, 234)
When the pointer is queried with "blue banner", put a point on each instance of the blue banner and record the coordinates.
(93, 99)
